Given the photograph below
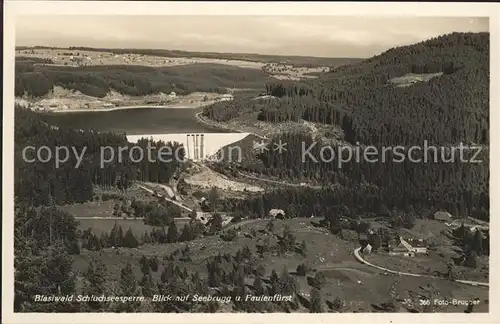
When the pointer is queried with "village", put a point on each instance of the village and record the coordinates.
(414, 246)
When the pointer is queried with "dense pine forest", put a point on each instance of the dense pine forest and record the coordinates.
(446, 110)
(359, 99)
(36, 79)
(42, 183)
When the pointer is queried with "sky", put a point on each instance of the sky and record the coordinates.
(324, 36)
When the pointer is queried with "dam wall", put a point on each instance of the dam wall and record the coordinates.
(198, 146)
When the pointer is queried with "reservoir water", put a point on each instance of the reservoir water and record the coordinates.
(132, 121)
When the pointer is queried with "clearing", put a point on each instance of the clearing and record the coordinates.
(357, 285)
(206, 178)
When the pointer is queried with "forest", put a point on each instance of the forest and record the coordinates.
(358, 98)
(44, 257)
(35, 79)
(42, 183)
(445, 111)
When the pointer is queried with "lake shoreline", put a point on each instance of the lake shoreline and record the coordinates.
(136, 120)
(174, 106)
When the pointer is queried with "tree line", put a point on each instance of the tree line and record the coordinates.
(442, 181)
(44, 184)
(361, 100)
(44, 266)
(37, 80)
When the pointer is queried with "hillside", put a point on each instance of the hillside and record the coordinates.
(444, 110)
(251, 57)
(134, 80)
(361, 99)
(278, 222)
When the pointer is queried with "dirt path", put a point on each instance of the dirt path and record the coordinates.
(244, 222)
(467, 282)
(181, 105)
(278, 182)
(209, 123)
(168, 199)
(128, 218)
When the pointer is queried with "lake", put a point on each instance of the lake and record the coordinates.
(132, 121)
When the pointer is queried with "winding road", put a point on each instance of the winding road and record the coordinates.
(282, 183)
(200, 119)
(358, 257)
(168, 199)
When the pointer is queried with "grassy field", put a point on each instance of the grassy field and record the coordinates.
(251, 57)
(105, 225)
(91, 209)
(100, 208)
(359, 286)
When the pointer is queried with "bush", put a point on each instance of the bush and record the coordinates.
(229, 235)
(302, 270)
(319, 281)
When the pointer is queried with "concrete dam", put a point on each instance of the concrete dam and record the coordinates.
(198, 146)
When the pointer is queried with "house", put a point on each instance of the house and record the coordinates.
(277, 213)
(419, 250)
(442, 216)
(172, 94)
(401, 250)
(367, 249)
(204, 218)
(406, 249)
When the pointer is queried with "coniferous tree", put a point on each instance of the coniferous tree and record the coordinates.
(129, 240)
(316, 303)
(128, 287)
(172, 235)
(95, 283)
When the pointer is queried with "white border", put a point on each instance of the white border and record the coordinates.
(415, 9)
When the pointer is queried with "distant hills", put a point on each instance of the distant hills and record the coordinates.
(309, 61)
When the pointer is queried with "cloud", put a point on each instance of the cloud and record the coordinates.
(294, 35)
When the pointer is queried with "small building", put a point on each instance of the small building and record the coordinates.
(406, 249)
(419, 250)
(367, 249)
(204, 218)
(172, 94)
(442, 216)
(277, 213)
